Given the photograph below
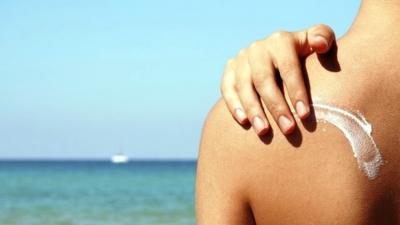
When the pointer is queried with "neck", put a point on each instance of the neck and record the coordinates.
(377, 20)
(374, 37)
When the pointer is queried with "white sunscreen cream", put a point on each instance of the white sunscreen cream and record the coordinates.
(358, 132)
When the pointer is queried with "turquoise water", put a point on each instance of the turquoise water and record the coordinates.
(97, 193)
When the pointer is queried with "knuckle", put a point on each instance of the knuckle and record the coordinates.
(295, 88)
(286, 67)
(252, 109)
(242, 52)
(271, 97)
(259, 81)
(298, 94)
(255, 45)
(322, 26)
(255, 56)
(274, 105)
(277, 108)
(281, 35)
(280, 108)
(276, 34)
(263, 81)
(230, 64)
(292, 76)
(289, 76)
(238, 86)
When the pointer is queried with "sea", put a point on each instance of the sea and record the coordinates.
(97, 193)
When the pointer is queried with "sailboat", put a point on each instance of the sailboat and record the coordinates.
(119, 158)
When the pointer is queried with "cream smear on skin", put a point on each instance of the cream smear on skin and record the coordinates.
(358, 132)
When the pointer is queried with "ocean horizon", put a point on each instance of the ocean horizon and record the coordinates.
(97, 192)
(96, 160)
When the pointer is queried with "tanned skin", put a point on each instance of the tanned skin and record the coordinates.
(311, 176)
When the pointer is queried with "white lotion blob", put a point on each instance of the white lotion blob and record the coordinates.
(358, 132)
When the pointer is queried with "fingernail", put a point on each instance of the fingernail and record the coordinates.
(301, 109)
(285, 123)
(258, 124)
(240, 115)
(321, 39)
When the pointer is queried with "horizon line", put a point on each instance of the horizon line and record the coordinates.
(94, 159)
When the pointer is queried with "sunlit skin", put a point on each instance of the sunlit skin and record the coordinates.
(311, 176)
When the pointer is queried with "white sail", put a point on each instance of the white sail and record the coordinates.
(119, 158)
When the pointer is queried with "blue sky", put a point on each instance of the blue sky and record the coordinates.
(84, 79)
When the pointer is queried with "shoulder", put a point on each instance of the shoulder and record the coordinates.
(312, 167)
(224, 137)
(221, 130)
(223, 143)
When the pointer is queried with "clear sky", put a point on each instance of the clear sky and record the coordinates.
(85, 79)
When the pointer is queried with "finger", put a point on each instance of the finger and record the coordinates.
(318, 38)
(271, 94)
(249, 98)
(289, 67)
(229, 94)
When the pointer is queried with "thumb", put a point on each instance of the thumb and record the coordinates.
(318, 38)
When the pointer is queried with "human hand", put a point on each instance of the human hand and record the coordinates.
(251, 77)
